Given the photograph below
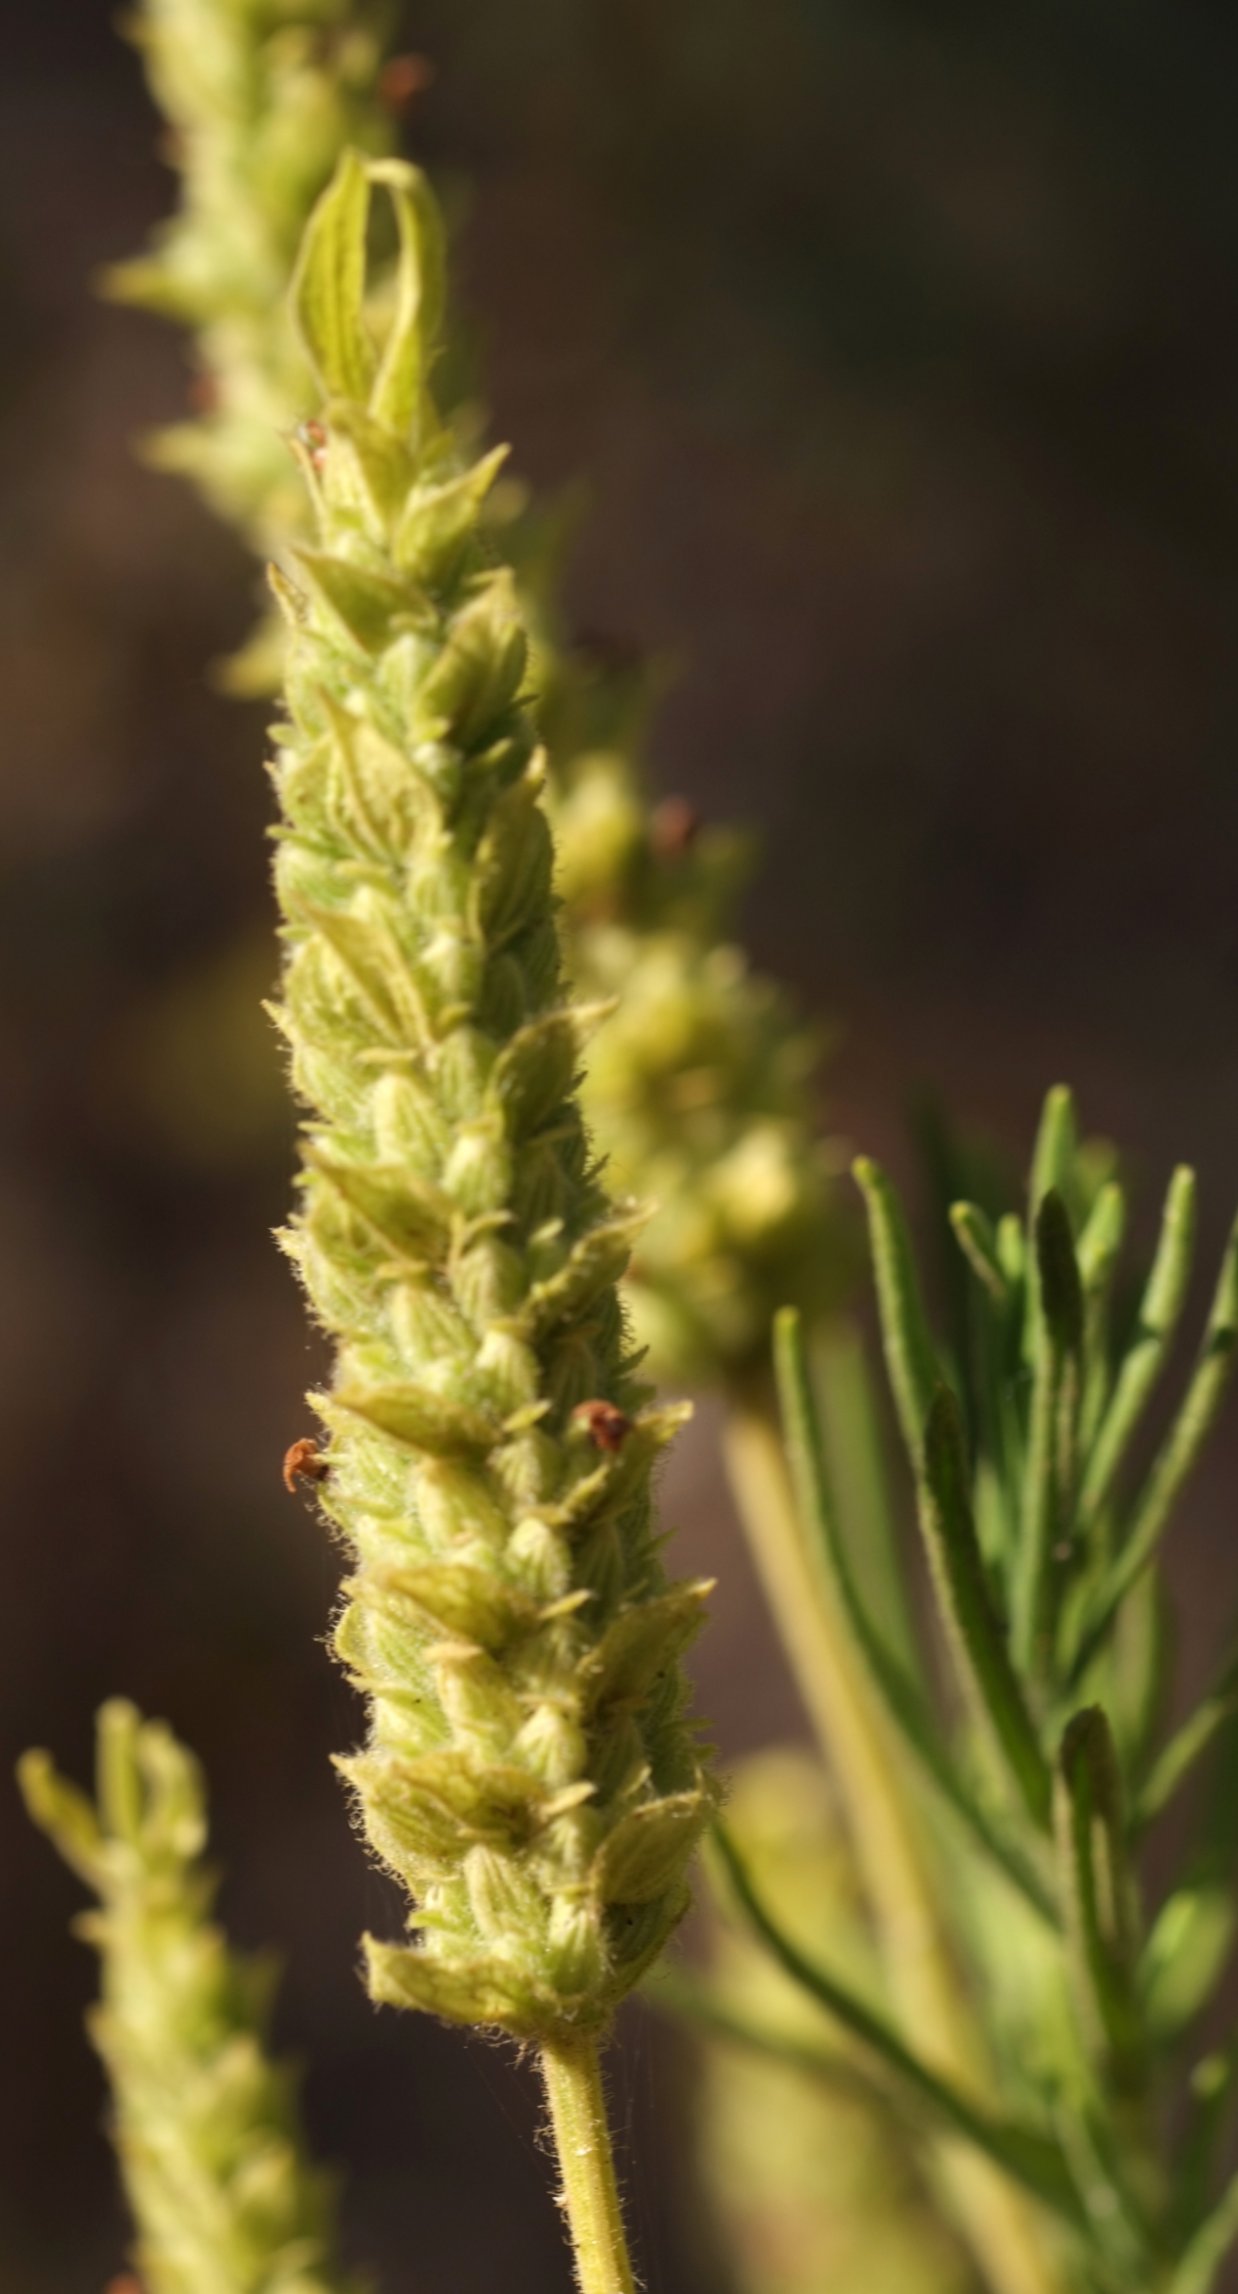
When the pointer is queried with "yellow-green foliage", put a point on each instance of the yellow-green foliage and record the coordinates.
(528, 1774)
(204, 2123)
(815, 2185)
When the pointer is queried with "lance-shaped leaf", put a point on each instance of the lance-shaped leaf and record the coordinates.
(1097, 1250)
(977, 1240)
(1178, 1455)
(1028, 2156)
(1054, 1170)
(433, 534)
(641, 1642)
(641, 1856)
(963, 1595)
(1159, 1313)
(420, 290)
(366, 605)
(1057, 1320)
(917, 1727)
(536, 1066)
(1188, 1744)
(415, 1416)
(407, 1215)
(909, 1351)
(596, 1262)
(1098, 1893)
(328, 288)
(480, 669)
(1201, 2264)
(1186, 1955)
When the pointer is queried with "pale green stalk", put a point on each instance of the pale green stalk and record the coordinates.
(204, 2122)
(590, 2194)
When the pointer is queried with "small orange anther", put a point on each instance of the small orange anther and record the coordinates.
(606, 1425)
(303, 1463)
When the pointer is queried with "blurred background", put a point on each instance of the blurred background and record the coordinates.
(898, 345)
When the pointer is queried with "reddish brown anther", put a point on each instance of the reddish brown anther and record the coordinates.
(606, 1425)
(313, 438)
(674, 827)
(126, 2283)
(402, 78)
(303, 1464)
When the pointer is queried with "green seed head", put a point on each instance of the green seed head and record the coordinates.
(528, 1773)
(204, 2122)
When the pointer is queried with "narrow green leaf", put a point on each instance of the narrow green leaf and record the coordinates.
(1025, 2154)
(119, 1783)
(963, 1594)
(977, 1240)
(916, 1726)
(64, 1813)
(1177, 1456)
(420, 288)
(909, 1351)
(1188, 1745)
(328, 286)
(1159, 1313)
(707, 2007)
(857, 1448)
(406, 1214)
(1100, 1239)
(1213, 2086)
(1200, 2266)
(367, 606)
(1186, 1955)
(1055, 1150)
(1048, 1477)
(1099, 1896)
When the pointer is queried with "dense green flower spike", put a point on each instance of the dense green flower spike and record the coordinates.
(204, 2122)
(1040, 1540)
(701, 1087)
(261, 96)
(529, 1774)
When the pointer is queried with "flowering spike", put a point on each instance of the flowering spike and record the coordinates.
(528, 1773)
(204, 2122)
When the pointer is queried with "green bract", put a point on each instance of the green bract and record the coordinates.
(528, 1774)
(205, 2124)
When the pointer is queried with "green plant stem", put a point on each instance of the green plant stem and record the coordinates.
(1019, 2151)
(900, 1696)
(590, 2196)
(862, 1757)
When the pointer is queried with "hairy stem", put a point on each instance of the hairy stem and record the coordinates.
(590, 2197)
